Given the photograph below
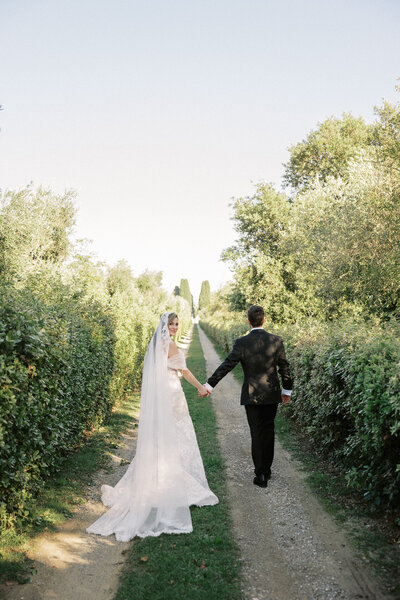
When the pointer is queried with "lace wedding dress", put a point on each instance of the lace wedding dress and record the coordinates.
(166, 475)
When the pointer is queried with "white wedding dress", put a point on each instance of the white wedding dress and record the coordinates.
(193, 471)
(166, 475)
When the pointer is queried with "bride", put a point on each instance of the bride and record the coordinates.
(166, 475)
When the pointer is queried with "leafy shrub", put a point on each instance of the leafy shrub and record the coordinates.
(55, 369)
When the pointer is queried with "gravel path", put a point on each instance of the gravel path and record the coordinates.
(291, 549)
(72, 564)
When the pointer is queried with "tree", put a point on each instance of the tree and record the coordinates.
(333, 248)
(261, 270)
(205, 295)
(386, 135)
(346, 240)
(176, 291)
(260, 221)
(34, 229)
(120, 278)
(148, 280)
(326, 151)
(186, 293)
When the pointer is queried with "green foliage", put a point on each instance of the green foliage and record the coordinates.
(73, 335)
(34, 228)
(326, 151)
(347, 400)
(223, 325)
(386, 135)
(205, 295)
(120, 278)
(149, 281)
(330, 253)
(346, 395)
(184, 292)
(51, 364)
(334, 248)
(263, 271)
(346, 240)
(260, 221)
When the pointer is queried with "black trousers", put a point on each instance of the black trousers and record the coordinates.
(260, 418)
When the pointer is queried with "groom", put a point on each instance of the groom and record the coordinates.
(261, 354)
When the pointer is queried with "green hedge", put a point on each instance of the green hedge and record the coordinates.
(224, 328)
(55, 369)
(347, 401)
(346, 397)
(65, 360)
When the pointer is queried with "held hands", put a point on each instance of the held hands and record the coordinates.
(203, 392)
(285, 399)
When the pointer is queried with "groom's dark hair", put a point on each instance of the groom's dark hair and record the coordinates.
(255, 314)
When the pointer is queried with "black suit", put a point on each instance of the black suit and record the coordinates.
(262, 356)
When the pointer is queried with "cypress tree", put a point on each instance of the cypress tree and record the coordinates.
(184, 291)
(205, 295)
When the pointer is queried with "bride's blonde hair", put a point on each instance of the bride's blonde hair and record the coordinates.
(171, 317)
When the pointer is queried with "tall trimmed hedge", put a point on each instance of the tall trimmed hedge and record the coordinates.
(55, 371)
(346, 396)
(347, 400)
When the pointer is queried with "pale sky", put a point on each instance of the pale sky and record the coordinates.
(158, 112)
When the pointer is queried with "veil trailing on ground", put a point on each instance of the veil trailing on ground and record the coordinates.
(150, 498)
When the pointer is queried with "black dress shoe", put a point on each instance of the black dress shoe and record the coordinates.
(261, 480)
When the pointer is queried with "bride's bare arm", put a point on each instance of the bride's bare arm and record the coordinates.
(190, 378)
(188, 375)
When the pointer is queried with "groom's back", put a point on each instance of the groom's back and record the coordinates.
(261, 354)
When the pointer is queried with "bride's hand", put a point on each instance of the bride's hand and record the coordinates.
(203, 392)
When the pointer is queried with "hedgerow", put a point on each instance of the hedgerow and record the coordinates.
(55, 370)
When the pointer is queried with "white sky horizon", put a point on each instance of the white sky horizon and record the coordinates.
(159, 113)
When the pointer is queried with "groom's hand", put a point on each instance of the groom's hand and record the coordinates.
(285, 399)
(203, 392)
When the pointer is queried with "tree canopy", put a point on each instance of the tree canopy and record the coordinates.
(326, 151)
(35, 228)
(334, 246)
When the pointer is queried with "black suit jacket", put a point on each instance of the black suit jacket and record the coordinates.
(261, 355)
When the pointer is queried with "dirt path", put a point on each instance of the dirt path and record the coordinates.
(291, 549)
(71, 564)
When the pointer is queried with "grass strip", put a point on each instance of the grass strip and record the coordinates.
(61, 493)
(374, 540)
(204, 564)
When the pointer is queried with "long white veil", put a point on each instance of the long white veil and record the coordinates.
(150, 498)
